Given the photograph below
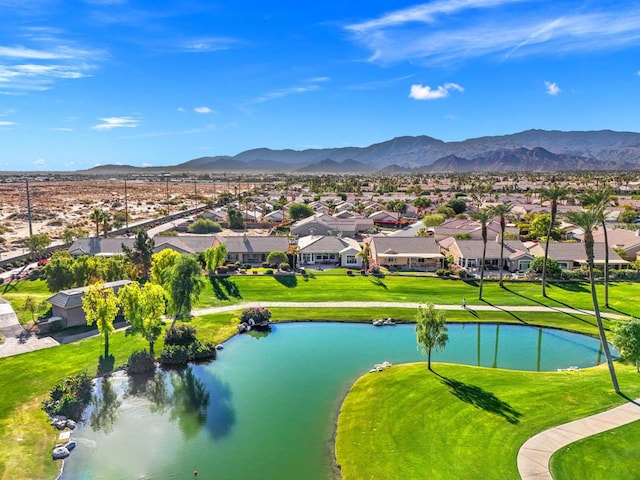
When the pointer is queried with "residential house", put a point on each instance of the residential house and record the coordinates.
(321, 224)
(113, 246)
(67, 304)
(456, 227)
(619, 238)
(571, 255)
(467, 254)
(406, 253)
(251, 249)
(335, 250)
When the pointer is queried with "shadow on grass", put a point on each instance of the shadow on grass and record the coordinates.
(480, 398)
(289, 281)
(106, 364)
(577, 317)
(628, 398)
(472, 312)
(505, 311)
(224, 288)
(377, 281)
(576, 287)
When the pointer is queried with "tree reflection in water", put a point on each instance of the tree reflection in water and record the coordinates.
(189, 401)
(105, 406)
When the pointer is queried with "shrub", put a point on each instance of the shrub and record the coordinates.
(140, 362)
(204, 225)
(442, 272)
(268, 271)
(222, 270)
(285, 267)
(264, 264)
(257, 314)
(203, 351)
(174, 355)
(180, 335)
(69, 397)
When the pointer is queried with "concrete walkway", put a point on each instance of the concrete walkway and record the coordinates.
(485, 308)
(17, 339)
(535, 453)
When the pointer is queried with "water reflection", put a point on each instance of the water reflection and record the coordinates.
(105, 404)
(189, 401)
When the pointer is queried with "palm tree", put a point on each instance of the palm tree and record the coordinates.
(600, 200)
(588, 220)
(502, 210)
(484, 216)
(553, 193)
(365, 254)
(106, 218)
(96, 216)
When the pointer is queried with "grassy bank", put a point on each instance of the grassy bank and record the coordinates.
(463, 422)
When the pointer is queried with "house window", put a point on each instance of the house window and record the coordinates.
(351, 260)
(524, 265)
(422, 260)
(391, 260)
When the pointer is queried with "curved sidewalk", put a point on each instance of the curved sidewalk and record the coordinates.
(534, 455)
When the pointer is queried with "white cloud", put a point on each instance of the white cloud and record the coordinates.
(425, 92)
(552, 88)
(284, 92)
(202, 110)
(207, 44)
(109, 123)
(320, 79)
(39, 162)
(180, 109)
(6, 123)
(445, 31)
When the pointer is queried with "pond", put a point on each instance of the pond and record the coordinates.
(266, 408)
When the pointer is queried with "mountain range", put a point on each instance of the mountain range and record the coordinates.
(531, 150)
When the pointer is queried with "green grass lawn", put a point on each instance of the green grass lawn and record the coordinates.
(26, 437)
(608, 455)
(464, 422)
(16, 292)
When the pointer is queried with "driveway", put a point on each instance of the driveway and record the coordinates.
(17, 339)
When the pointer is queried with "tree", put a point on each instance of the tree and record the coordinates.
(554, 193)
(421, 202)
(37, 243)
(204, 225)
(143, 309)
(397, 206)
(484, 216)
(457, 205)
(184, 285)
(236, 222)
(434, 219)
(70, 234)
(600, 199)
(141, 252)
(100, 307)
(35, 307)
(59, 271)
(502, 210)
(626, 338)
(365, 254)
(588, 220)
(106, 225)
(161, 262)
(214, 257)
(554, 270)
(277, 257)
(628, 215)
(431, 331)
(97, 215)
(539, 227)
(298, 211)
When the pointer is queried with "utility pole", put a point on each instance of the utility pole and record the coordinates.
(29, 208)
(126, 206)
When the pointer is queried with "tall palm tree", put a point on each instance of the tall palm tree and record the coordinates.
(96, 216)
(554, 193)
(600, 199)
(106, 218)
(484, 216)
(588, 220)
(502, 210)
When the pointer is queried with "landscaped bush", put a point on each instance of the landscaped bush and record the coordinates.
(204, 225)
(203, 351)
(285, 267)
(257, 314)
(442, 272)
(69, 397)
(268, 271)
(140, 362)
(174, 355)
(180, 335)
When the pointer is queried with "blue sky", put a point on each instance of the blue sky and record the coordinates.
(87, 82)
